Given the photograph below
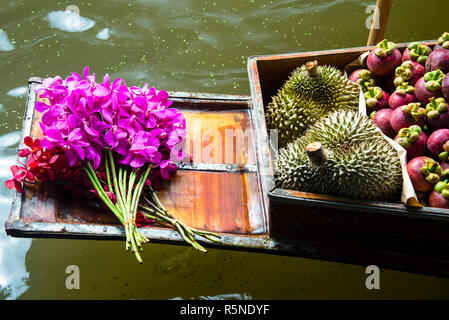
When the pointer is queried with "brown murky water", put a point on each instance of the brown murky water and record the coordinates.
(190, 45)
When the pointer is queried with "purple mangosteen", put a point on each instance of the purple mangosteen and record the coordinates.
(424, 172)
(437, 114)
(376, 98)
(438, 144)
(445, 87)
(429, 86)
(413, 140)
(364, 78)
(410, 72)
(384, 58)
(416, 51)
(438, 60)
(405, 116)
(439, 198)
(444, 165)
(382, 119)
(403, 95)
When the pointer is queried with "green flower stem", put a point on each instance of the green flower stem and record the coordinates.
(129, 225)
(149, 213)
(114, 177)
(125, 208)
(196, 231)
(136, 197)
(107, 201)
(120, 195)
(108, 175)
(138, 190)
(176, 224)
(131, 190)
(129, 230)
(157, 210)
(102, 194)
(132, 178)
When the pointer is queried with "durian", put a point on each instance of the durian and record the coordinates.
(343, 154)
(310, 93)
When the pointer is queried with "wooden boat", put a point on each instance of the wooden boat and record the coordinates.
(214, 192)
(237, 198)
(410, 238)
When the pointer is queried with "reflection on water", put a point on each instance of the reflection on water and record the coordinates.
(69, 21)
(13, 273)
(17, 92)
(228, 296)
(225, 296)
(199, 46)
(103, 34)
(5, 44)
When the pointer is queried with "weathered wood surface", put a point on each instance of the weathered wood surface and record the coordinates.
(379, 23)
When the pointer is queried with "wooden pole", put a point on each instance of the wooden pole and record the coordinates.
(379, 23)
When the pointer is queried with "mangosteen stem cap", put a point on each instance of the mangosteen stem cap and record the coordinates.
(385, 48)
(418, 52)
(444, 40)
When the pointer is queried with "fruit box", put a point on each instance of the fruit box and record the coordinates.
(417, 235)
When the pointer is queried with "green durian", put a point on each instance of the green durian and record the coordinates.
(343, 154)
(310, 93)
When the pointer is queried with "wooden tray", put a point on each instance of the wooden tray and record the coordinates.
(418, 237)
(222, 194)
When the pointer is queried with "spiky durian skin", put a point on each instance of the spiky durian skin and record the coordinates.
(304, 99)
(361, 163)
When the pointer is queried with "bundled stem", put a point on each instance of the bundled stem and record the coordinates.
(128, 186)
(127, 192)
(155, 210)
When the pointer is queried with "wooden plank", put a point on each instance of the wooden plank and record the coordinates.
(379, 23)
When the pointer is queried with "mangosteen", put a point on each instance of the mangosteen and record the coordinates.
(437, 114)
(384, 58)
(438, 144)
(445, 87)
(439, 198)
(403, 95)
(364, 78)
(438, 59)
(408, 71)
(424, 172)
(382, 119)
(405, 116)
(429, 86)
(413, 140)
(376, 98)
(416, 51)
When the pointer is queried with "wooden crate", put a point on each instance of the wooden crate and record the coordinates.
(419, 237)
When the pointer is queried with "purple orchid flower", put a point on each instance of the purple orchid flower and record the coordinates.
(85, 117)
(73, 144)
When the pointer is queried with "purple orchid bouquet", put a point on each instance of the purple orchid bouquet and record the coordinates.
(126, 139)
